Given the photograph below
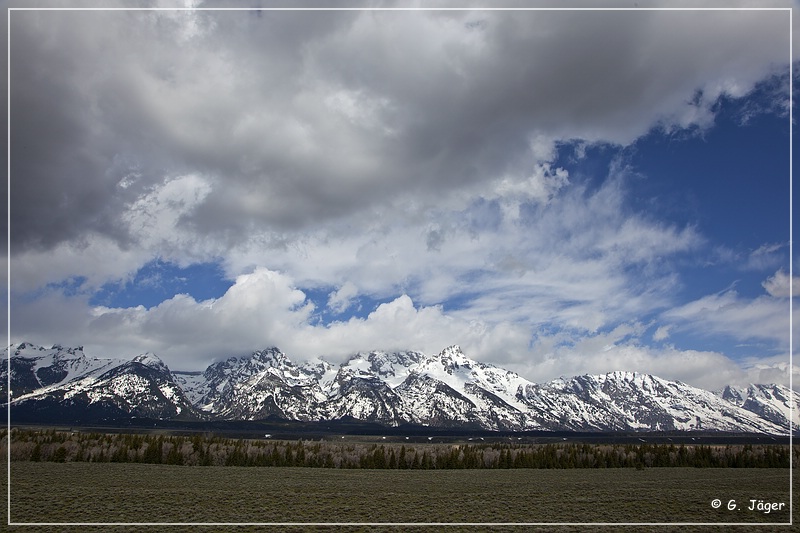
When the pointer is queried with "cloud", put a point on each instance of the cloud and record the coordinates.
(772, 370)
(781, 285)
(157, 214)
(342, 299)
(622, 348)
(407, 157)
(733, 316)
(263, 309)
(662, 333)
(422, 103)
(580, 259)
(258, 310)
(765, 256)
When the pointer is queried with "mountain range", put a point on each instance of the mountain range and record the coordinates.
(449, 389)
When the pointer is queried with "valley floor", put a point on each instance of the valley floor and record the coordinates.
(112, 492)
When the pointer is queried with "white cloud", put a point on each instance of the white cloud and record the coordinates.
(543, 183)
(156, 218)
(156, 215)
(662, 333)
(765, 257)
(263, 309)
(771, 370)
(342, 299)
(259, 310)
(781, 285)
(580, 260)
(97, 258)
(567, 354)
(736, 317)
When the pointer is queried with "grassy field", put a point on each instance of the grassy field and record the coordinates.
(108, 492)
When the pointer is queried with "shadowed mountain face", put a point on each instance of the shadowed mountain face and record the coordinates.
(444, 390)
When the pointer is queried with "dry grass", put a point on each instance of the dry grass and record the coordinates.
(90, 492)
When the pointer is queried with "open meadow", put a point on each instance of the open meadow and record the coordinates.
(116, 492)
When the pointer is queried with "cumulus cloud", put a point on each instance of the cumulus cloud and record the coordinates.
(772, 370)
(261, 309)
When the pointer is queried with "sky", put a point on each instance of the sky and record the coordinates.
(557, 192)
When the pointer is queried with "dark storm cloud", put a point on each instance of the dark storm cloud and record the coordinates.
(67, 149)
(294, 118)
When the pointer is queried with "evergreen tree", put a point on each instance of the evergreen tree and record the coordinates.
(36, 454)
(415, 462)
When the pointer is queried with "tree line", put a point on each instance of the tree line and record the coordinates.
(200, 450)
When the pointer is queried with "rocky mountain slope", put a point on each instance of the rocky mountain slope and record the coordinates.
(391, 388)
(62, 383)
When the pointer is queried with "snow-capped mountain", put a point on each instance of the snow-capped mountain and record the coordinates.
(62, 383)
(767, 401)
(391, 388)
(634, 401)
(262, 384)
(35, 367)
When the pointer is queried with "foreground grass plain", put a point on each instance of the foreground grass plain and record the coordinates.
(109, 492)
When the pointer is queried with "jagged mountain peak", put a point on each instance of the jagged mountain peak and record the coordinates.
(239, 367)
(770, 401)
(317, 367)
(151, 360)
(31, 350)
(623, 376)
(34, 367)
(70, 350)
(637, 379)
(60, 383)
(273, 354)
(454, 350)
(378, 357)
(389, 387)
(731, 393)
(390, 366)
(454, 355)
(26, 346)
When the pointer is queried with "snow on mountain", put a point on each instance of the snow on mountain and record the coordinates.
(35, 367)
(391, 368)
(447, 390)
(771, 402)
(324, 372)
(71, 384)
(435, 403)
(256, 386)
(462, 373)
(635, 401)
(193, 384)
